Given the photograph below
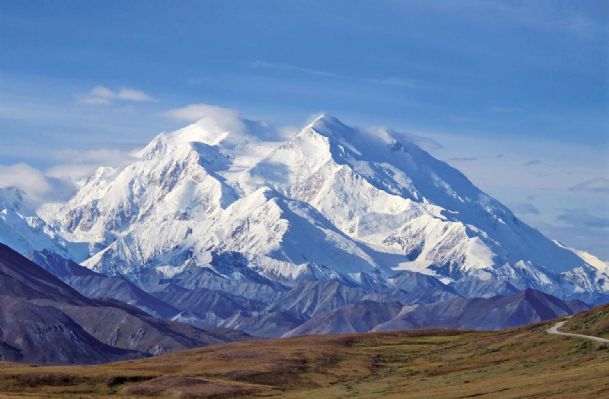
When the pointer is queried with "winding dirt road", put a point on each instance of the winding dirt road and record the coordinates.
(555, 330)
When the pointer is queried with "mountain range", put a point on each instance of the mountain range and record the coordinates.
(43, 320)
(236, 224)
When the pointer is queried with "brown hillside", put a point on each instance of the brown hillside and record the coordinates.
(423, 364)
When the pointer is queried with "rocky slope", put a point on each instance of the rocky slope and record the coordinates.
(525, 307)
(362, 316)
(43, 320)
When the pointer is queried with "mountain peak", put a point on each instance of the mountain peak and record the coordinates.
(328, 125)
(332, 194)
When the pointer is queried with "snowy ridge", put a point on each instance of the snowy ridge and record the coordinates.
(27, 233)
(330, 202)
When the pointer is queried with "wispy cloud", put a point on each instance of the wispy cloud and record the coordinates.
(38, 186)
(599, 185)
(463, 159)
(579, 24)
(59, 182)
(103, 95)
(538, 15)
(582, 217)
(77, 164)
(524, 208)
(407, 83)
(294, 68)
(423, 141)
(194, 112)
(385, 81)
(533, 162)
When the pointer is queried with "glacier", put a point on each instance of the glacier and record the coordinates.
(328, 202)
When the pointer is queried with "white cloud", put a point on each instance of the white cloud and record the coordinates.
(25, 177)
(217, 121)
(59, 183)
(72, 172)
(99, 95)
(103, 156)
(194, 112)
(78, 164)
(103, 95)
(133, 95)
(39, 187)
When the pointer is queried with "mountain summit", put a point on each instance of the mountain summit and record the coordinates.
(330, 197)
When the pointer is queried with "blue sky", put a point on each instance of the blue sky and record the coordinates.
(515, 94)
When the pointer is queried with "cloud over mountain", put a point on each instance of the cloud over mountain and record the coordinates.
(37, 186)
(524, 208)
(194, 112)
(598, 185)
(582, 217)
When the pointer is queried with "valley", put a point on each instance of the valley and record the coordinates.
(524, 362)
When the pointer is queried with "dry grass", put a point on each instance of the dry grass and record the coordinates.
(425, 364)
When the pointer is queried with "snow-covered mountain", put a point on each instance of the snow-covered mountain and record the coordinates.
(25, 232)
(328, 202)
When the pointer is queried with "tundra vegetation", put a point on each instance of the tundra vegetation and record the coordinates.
(523, 362)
